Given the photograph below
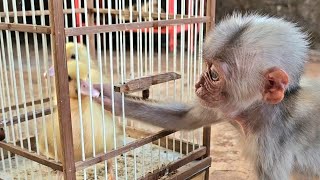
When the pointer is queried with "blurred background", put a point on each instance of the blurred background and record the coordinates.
(305, 12)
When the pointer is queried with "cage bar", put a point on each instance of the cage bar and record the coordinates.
(62, 89)
(210, 12)
(135, 25)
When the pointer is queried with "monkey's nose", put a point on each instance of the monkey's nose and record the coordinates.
(199, 83)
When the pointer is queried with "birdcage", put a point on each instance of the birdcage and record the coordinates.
(144, 49)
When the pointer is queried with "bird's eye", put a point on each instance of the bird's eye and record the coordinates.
(214, 75)
(69, 78)
(73, 56)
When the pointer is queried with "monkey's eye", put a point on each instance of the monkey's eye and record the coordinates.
(73, 56)
(69, 78)
(214, 75)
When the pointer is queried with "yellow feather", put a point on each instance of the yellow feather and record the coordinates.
(100, 124)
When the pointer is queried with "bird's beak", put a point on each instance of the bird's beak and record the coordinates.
(85, 89)
(49, 73)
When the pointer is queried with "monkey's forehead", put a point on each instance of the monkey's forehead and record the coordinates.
(245, 34)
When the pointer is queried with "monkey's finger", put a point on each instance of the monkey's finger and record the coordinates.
(97, 99)
(107, 103)
(106, 87)
(105, 91)
(97, 86)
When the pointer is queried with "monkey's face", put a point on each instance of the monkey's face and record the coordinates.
(233, 89)
(210, 89)
(226, 87)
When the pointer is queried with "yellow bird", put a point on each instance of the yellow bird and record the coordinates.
(99, 123)
(83, 56)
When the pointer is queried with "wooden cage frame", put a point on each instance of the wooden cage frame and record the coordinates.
(59, 33)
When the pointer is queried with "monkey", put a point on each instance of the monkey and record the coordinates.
(86, 118)
(254, 80)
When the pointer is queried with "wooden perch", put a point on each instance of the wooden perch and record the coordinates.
(26, 28)
(31, 155)
(135, 14)
(14, 107)
(144, 83)
(23, 117)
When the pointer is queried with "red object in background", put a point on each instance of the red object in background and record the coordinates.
(76, 4)
(171, 29)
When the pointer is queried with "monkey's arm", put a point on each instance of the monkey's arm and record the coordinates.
(171, 116)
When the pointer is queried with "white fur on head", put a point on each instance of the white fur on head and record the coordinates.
(252, 43)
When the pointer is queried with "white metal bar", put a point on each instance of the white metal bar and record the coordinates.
(188, 53)
(182, 51)
(140, 39)
(167, 47)
(145, 42)
(80, 19)
(117, 44)
(10, 54)
(159, 70)
(22, 89)
(39, 82)
(90, 86)
(132, 73)
(65, 17)
(30, 85)
(3, 92)
(20, 76)
(78, 85)
(2, 97)
(123, 78)
(195, 44)
(101, 82)
(201, 35)
(167, 63)
(46, 64)
(112, 83)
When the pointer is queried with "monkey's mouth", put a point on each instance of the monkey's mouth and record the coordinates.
(206, 98)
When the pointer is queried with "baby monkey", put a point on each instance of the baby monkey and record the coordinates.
(252, 80)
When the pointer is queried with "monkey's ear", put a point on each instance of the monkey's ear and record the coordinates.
(275, 85)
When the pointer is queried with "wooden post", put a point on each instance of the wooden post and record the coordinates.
(62, 87)
(91, 23)
(210, 12)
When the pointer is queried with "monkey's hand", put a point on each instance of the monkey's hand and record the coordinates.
(105, 98)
